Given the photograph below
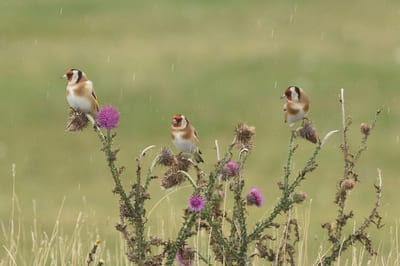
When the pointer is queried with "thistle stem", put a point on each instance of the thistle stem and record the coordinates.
(180, 240)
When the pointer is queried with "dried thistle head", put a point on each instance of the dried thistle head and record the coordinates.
(244, 136)
(347, 184)
(76, 121)
(182, 163)
(364, 128)
(167, 158)
(171, 179)
(307, 131)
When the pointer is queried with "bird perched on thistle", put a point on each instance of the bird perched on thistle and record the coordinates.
(184, 136)
(297, 105)
(81, 96)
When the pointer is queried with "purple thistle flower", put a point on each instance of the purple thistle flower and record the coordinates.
(230, 169)
(179, 258)
(233, 167)
(196, 203)
(107, 117)
(185, 257)
(255, 197)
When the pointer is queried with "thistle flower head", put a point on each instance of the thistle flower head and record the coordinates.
(230, 169)
(76, 121)
(107, 117)
(307, 131)
(167, 158)
(185, 257)
(365, 129)
(244, 136)
(347, 184)
(255, 197)
(171, 178)
(196, 203)
(299, 197)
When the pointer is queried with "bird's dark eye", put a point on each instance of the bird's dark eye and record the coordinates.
(179, 120)
(69, 75)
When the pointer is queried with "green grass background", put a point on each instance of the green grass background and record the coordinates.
(217, 62)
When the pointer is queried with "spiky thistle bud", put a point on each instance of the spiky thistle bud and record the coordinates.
(299, 197)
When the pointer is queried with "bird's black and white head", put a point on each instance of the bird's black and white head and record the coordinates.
(74, 76)
(292, 93)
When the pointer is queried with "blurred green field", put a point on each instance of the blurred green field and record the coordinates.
(217, 62)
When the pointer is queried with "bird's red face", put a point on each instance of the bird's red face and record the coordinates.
(69, 74)
(73, 75)
(288, 93)
(177, 120)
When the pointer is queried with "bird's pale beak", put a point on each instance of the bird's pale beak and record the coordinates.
(63, 76)
(283, 96)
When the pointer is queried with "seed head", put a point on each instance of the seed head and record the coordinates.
(244, 136)
(307, 131)
(76, 121)
(364, 128)
(167, 158)
(347, 184)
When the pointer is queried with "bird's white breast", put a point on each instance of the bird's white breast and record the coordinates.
(78, 103)
(291, 119)
(184, 145)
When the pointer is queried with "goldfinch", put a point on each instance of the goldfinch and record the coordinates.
(297, 105)
(184, 136)
(80, 93)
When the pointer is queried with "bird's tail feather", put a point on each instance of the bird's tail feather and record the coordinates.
(197, 157)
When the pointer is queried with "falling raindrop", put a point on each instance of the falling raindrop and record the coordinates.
(272, 33)
(397, 139)
(134, 76)
(322, 36)
(172, 67)
(108, 59)
(35, 42)
(61, 11)
(276, 84)
(291, 19)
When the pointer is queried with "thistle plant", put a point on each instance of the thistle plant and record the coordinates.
(340, 241)
(231, 240)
